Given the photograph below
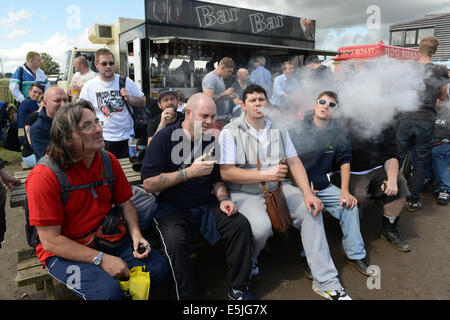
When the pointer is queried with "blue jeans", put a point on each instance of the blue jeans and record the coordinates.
(30, 161)
(93, 283)
(419, 134)
(352, 240)
(440, 156)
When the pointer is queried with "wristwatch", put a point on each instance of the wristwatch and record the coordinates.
(98, 259)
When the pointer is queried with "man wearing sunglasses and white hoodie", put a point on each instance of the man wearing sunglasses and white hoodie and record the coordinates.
(321, 141)
(109, 102)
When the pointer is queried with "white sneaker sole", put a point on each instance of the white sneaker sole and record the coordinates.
(321, 293)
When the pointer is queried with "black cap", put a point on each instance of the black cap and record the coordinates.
(166, 91)
(312, 59)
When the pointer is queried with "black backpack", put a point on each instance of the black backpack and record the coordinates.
(66, 188)
(10, 132)
(139, 115)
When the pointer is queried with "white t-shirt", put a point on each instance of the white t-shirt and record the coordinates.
(228, 147)
(81, 79)
(110, 106)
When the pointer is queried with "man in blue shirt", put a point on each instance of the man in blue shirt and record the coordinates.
(29, 105)
(284, 87)
(261, 75)
(54, 98)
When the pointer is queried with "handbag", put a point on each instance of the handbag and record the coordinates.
(276, 205)
(277, 208)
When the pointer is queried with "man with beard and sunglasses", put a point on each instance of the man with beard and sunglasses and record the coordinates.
(168, 103)
(328, 142)
(110, 103)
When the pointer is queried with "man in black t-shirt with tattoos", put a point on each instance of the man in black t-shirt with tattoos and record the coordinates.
(175, 165)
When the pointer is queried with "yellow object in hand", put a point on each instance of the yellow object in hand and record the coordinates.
(138, 286)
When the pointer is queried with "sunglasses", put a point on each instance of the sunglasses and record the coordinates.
(104, 64)
(330, 103)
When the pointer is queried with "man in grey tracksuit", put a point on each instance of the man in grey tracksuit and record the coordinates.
(253, 135)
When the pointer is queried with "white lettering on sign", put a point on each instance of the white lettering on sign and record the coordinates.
(208, 18)
(399, 53)
(259, 23)
(357, 52)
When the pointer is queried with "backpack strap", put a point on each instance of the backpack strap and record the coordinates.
(60, 175)
(66, 188)
(21, 79)
(122, 83)
(107, 166)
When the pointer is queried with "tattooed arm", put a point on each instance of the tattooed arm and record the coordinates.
(220, 190)
(226, 205)
(165, 181)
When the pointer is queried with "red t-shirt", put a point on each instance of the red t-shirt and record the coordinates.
(82, 213)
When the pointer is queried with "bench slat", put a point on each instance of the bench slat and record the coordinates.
(31, 276)
(29, 263)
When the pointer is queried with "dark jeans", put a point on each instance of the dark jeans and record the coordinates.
(177, 230)
(118, 148)
(418, 134)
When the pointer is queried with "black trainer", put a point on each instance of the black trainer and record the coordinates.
(390, 233)
(360, 264)
(443, 198)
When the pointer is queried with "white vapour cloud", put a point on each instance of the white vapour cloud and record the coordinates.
(374, 94)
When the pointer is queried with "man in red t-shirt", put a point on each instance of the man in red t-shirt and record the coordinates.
(76, 140)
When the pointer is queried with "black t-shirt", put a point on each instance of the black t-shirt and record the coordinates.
(153, 124)
(435, 77)
(168, 152)
(30, 119)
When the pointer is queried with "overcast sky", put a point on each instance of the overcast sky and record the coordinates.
(345, 22)
(43, 26)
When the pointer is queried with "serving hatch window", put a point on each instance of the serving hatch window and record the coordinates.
(410, 37)
(425, 33)
(397, 38)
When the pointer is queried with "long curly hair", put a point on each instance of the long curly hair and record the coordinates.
(66, 121)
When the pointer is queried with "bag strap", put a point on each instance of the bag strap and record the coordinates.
(21, 79)
(106, 159)
(60, 175)
(122, 83)
(264, 187)
(66, 188)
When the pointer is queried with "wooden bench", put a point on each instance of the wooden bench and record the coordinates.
(29, 268)
(30, 271)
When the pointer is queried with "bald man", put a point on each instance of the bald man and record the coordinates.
(54, 98)
(177, 166)
(83, 75)
(242, 82)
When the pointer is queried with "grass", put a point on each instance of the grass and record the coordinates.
(9, 156)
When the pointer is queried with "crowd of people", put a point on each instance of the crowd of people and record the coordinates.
(210, 162)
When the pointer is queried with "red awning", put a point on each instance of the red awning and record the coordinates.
(372, 51)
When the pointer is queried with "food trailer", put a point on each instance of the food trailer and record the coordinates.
(182, 40)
